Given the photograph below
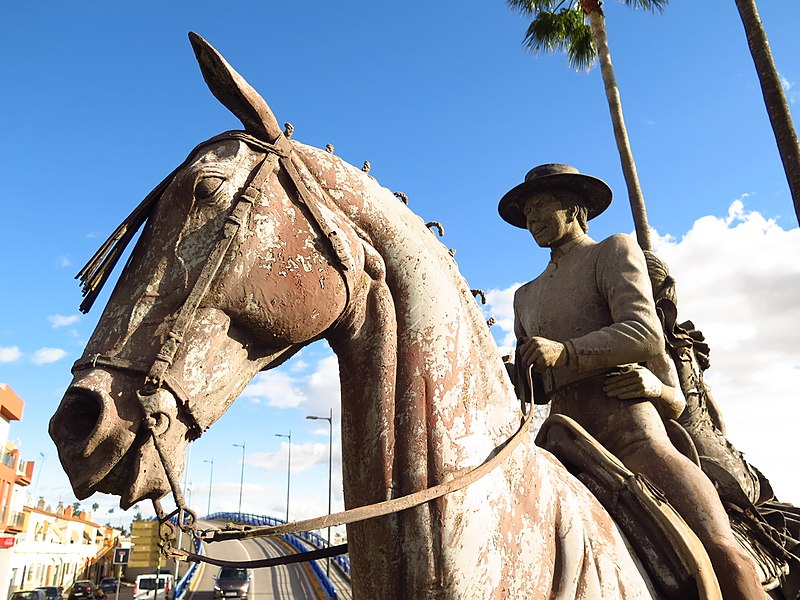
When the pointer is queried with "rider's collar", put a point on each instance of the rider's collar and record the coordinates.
(564, 249)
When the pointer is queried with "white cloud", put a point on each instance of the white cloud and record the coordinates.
(63, 261)
(738, 280)
(45, 356)
(315, 393)
(788, 86)
(58, 321)
(304, 456)
(500, 305)
(276, 388)
(10, 354)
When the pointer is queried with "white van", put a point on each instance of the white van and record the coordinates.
(153, 587)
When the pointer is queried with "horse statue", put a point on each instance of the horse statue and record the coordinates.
(258, 245)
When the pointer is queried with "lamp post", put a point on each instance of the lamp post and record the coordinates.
(241, 480)
(288, 470)
(210, 483)
(329, 419)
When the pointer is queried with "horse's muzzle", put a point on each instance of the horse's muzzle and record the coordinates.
(94, 433)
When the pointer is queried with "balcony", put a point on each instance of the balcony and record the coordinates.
(24, 473)
(16, 524)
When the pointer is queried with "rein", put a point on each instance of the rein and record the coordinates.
(353, 515)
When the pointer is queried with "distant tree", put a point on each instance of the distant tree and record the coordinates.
(76, 506)
(562, 25)
(95, 506)
(775, 100)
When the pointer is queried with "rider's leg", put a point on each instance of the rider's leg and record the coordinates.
(693, 495)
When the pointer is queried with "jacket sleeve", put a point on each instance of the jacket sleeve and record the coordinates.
(635, 333)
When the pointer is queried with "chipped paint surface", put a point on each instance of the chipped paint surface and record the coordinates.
(424, 392)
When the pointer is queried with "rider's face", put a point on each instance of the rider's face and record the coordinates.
(548, 221)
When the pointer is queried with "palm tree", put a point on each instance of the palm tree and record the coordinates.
(775, 100)
(562, 25)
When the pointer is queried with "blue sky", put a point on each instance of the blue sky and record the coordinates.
(102, 100)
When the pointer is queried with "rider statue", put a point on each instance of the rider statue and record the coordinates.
(588, 326)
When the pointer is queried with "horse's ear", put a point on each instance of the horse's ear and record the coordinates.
(234, 92)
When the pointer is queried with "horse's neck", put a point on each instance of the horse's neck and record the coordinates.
(423, 389)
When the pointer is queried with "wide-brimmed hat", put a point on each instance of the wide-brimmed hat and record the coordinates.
(594, 193)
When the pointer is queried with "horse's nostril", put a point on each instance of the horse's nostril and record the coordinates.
(79, 415)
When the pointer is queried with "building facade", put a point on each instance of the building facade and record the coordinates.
(38, 545)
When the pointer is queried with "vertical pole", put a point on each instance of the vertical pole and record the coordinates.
(288, 470)
(241, 479)
(210, 484)
(330, 462)
(288, 476)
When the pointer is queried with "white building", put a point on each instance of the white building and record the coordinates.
(39, 546)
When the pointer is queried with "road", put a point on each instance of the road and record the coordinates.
(283, 582)
(286, 581)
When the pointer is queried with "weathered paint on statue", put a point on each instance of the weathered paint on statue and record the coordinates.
(424, 392)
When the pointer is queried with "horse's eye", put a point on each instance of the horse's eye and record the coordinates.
(206, 187)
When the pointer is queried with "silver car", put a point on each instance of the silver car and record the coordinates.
(232, 583)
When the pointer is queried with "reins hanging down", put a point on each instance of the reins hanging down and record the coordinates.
(353, 515)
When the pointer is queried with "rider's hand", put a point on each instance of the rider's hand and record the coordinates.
(542, 353)
(637, 383)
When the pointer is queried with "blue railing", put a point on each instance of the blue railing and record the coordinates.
(309, 537)
(183, 584)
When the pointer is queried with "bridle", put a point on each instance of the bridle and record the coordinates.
(158, 376)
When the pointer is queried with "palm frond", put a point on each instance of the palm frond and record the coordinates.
(532, 8)
(565, 30)
(581, 51)
(651, 5)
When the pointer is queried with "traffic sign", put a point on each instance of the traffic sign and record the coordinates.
(121, 556)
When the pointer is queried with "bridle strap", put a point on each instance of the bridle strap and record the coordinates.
(306, 198)
(233, 223)
(379, 509)
(353, 515)
(158, 374)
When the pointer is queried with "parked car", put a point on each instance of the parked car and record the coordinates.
(28, 595)
(84, 590)
(51, 592)
(153, 587)
(232, 583)
(109, 584)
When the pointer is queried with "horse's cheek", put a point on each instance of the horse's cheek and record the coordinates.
(286, 308)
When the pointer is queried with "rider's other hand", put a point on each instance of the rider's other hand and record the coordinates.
(637, 383)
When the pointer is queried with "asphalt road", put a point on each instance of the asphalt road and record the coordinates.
(283, 582)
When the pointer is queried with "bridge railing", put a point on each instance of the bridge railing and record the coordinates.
(309, 537)
(184, 582)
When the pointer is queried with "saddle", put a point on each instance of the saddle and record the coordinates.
(670, 552)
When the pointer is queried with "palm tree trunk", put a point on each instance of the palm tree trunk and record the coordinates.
(774, 98)
(598, 25)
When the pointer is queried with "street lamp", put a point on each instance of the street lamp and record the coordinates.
(241, 480)
(288, 470)
(210, 483)
(329, 419)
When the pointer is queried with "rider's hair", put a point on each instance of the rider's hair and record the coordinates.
(662, 282)
(570, 199)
